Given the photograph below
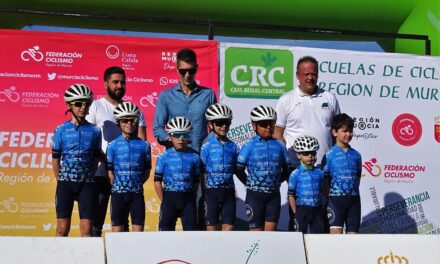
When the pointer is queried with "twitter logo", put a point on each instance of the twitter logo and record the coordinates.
(51, 76)
(46, 227)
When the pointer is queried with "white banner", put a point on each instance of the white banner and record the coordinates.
(380, 249)
(51, 250)
(205, 247)
(394, 99)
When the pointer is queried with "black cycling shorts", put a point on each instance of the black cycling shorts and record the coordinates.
(309, 219)
(220, 204)
(345, 210)
(262, 207)
(124, 204)
(68, 192)
(175, 205)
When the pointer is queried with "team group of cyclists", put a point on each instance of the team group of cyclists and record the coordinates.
(317, 195)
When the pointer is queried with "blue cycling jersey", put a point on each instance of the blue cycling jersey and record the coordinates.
(219, 161)
(306, 186)
(344, 169)
(264, 160)
(77, 147)
(178, 170)
(129, 159)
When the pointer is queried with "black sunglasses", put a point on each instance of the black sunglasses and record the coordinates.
(222, 122)
(308, 153)
(126, 120)
(265, 123)
(80, 103)
(190, 71)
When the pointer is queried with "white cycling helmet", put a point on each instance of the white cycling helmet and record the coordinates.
(263, 112)
(78, 92)
(305, 144)
(179, 124)
(126, 110)
(218, 111)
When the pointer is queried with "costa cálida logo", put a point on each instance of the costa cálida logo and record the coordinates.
(407, 129)
(437, 128)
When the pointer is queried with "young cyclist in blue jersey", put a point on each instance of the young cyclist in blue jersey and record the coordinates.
(265, 159)
(306, 186)
(343, 166)
(176, 178)
(75, 152)
(129, 165)
(219, 159)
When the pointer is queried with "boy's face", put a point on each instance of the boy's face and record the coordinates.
(220, 126)
(128, 125)
(179, 140)
(308, 158)
(343, 135)
(80, 108)
(264, 128)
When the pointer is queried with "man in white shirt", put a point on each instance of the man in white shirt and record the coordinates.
(101, 114)
(306, 110)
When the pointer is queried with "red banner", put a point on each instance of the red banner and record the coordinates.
(37, 68)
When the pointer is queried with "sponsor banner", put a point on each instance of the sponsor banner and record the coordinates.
(51, 250)
(367, 249)
(38, 67)
(393, 99)
(198, 247)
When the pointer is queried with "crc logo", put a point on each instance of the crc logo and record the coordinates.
(112, 52)
(392, 259)
(437, 128)
(10, 94)
(258, 73)
(407, 129)
(32, 53)
(372, 168)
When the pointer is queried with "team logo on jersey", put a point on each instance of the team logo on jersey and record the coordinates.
(407, 129)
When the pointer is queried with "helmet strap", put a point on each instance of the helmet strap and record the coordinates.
(78, 120)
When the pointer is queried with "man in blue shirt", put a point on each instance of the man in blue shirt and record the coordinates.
(186, 99)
